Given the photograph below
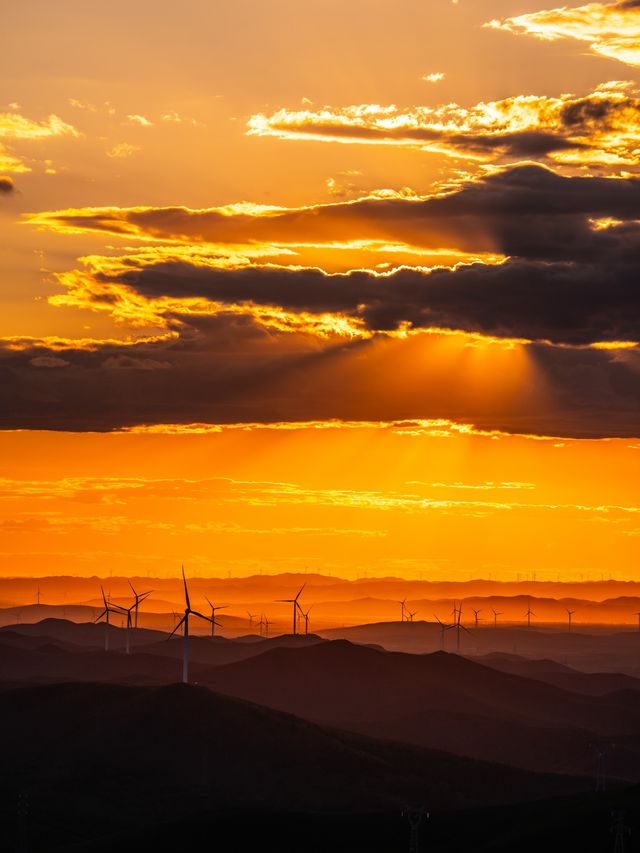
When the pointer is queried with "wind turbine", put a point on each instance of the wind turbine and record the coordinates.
(570, 615)
(411, 615)
(459, 627)
(496, 613)
(108, 610)
(443, 628)
(214, 622)
(130, 621)
(476, 614)
(139, 598)
(266, 626)
(529, 614)
(296, 606)
(402, 609)
(251, 616)
(306, 619)
(185, 621)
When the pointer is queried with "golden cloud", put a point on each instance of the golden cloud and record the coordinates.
(15, 127)
(600, 128)
(610, 29)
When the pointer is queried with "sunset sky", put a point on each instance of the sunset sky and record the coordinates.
(349, 285)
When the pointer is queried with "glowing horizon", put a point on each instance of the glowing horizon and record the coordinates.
(278, 303)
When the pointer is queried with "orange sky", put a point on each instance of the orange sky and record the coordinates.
(346, 285)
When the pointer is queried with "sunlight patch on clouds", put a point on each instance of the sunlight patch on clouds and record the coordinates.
(612, 30)
(600, 128)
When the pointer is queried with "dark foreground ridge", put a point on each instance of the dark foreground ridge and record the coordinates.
(96, 761)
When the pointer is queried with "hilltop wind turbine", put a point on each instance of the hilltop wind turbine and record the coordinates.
(214, 621)
(529, 614)
(139, 598)
(570, 615)
(305, 614)
(296, 606)
(411, 615)
(443, 627)
(496, 613)
(476, 615)
(185, 621)
(402, 609)
(251, 616)
(108, 610)
(266, 627)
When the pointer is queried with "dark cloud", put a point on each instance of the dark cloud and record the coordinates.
(563, 303)
(526, 211)
(6, 185)
(570, 280)
(271, 377)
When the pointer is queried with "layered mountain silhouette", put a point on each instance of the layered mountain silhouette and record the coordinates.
(437, 701)
(96, 759)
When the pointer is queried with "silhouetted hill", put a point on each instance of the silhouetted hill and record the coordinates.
(83, 633)
(96, 759)
(593, 651)
(442, 701)
(552, 672)
(363, 683)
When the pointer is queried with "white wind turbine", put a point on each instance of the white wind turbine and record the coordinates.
(185, 621)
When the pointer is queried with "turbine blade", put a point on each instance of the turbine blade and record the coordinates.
(300, 591)
(176, 628)
(202, 616)
(186, 590)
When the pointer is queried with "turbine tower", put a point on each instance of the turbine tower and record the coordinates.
(214, 621)
(476, 615)
(185, 621)
(402, 609)
(296, 607)
(266, 627)
(570, 615)
(496, 613)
